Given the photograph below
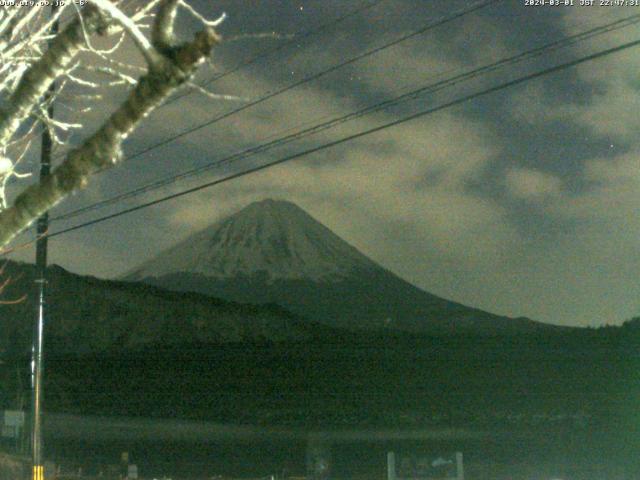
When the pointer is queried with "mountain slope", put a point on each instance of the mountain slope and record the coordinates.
(86, 314)
(275, 252)
(275, 238)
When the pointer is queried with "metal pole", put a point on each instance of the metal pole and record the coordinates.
(41, 266)
(391, 466)
(459, 466)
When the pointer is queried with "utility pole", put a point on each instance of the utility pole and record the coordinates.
(41, 284)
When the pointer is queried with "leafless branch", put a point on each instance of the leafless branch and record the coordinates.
(170, 65)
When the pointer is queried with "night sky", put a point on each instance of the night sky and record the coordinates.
(524, 202)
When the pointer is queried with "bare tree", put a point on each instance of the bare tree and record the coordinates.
(6, 281)
(32, 59)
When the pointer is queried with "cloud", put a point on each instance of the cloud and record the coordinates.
(79, 255)
(400, 196)
(533, 185)
(615, 98)
(420, 167)
(384, 173)
(612, 195)
(407, 196)
(582, 257)
(601, 254)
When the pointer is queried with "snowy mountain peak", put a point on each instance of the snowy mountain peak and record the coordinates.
(275, 238)
(272, 251)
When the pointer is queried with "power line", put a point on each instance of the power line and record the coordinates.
(267, 52)
(431, 25)
(571, 40)
(355, 136)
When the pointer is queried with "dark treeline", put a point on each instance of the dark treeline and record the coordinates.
(583, 379)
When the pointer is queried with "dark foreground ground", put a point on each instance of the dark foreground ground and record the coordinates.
(554, 408)
(493, 460)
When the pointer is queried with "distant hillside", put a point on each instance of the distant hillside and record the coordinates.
(87, 314)
(120, 348)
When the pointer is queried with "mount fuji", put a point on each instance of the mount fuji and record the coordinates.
(272, 251)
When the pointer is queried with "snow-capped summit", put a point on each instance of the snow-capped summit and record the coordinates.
(272, 251)
(275, 238)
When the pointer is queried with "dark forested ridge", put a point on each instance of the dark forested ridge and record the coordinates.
(400, 382)
(127, 349)
(86, 314)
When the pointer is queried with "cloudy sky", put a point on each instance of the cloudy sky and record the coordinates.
(524, 202)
